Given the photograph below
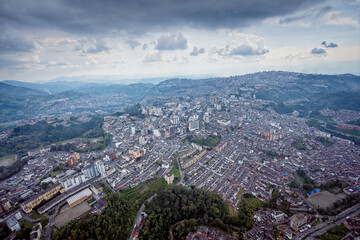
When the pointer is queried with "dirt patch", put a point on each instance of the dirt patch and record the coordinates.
(7, 161)
(324, 199)
(71, 213)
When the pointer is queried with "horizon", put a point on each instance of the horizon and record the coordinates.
(114, 79)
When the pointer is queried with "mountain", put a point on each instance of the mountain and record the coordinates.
(6, 89)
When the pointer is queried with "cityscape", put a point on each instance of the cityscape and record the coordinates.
(180, 120)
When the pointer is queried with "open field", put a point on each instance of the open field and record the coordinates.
(71, 213)
(324, 199)
(7, 161)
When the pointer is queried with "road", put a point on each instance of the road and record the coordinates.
(304, 199)
(48, 230)
(333, 221)
(138, 215)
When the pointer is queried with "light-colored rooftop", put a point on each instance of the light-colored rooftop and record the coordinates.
(86, 192)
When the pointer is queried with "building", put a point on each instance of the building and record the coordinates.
(133, 130)
(73, 181)
(100, 168)
(136, 153)
(36, 232)
(194, 125)
(96, 188)
(157, 133)
(13, 224)
(5, 204)
(206, 117)
(142, 140)
(297, 220)
(34, 201)
(220, 148)
(73, 158)
(169, 177)
(79, 197)
(90, 171)
(352, 224)
(71, 161)
(193, 160)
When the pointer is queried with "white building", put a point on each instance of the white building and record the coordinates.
(73, 181)
(157, 133)
(13, 224)
(100, 168)
(169, 177)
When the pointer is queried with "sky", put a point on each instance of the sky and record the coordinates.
(42, 40)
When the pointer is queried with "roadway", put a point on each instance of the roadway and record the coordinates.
(333, 221)
(138, 216)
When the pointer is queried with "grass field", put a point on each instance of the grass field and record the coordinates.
(324, 199)
(7, 161)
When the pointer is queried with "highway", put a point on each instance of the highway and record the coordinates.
(333, 221)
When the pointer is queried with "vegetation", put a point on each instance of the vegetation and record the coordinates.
(26, 228)
(174, 207)
(6, 172)
(284, 206)
(334, 233)
(27, 137)
(4, 230)
(99, 145)
(114, 223)
(308, 183)
(334, 186)
(133, 111)
(324, 141)
(175, 170)
(210, 141)
(341, 205)
(294, 184)
(299, 144)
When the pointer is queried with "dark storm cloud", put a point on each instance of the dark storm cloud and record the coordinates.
(171, 42)
(10, 43)
(318, 51)
(330, 45)
(196, 51)
(138, 16)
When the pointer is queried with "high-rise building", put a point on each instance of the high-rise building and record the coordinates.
(100, 168)
(90, 171)
(206, 117)
(133, 130)
(169, 177)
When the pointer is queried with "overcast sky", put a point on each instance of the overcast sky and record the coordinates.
(45, 39)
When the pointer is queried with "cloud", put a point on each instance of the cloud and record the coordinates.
(12, 43)
(335, 18)
(91, 62)
(154, 56)
(330, 45)
(314, 13)
(318, 51)
(242, 44)
(132, 43)
(171, 42)
(138, 16)
(97, 47)
(196, 51)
